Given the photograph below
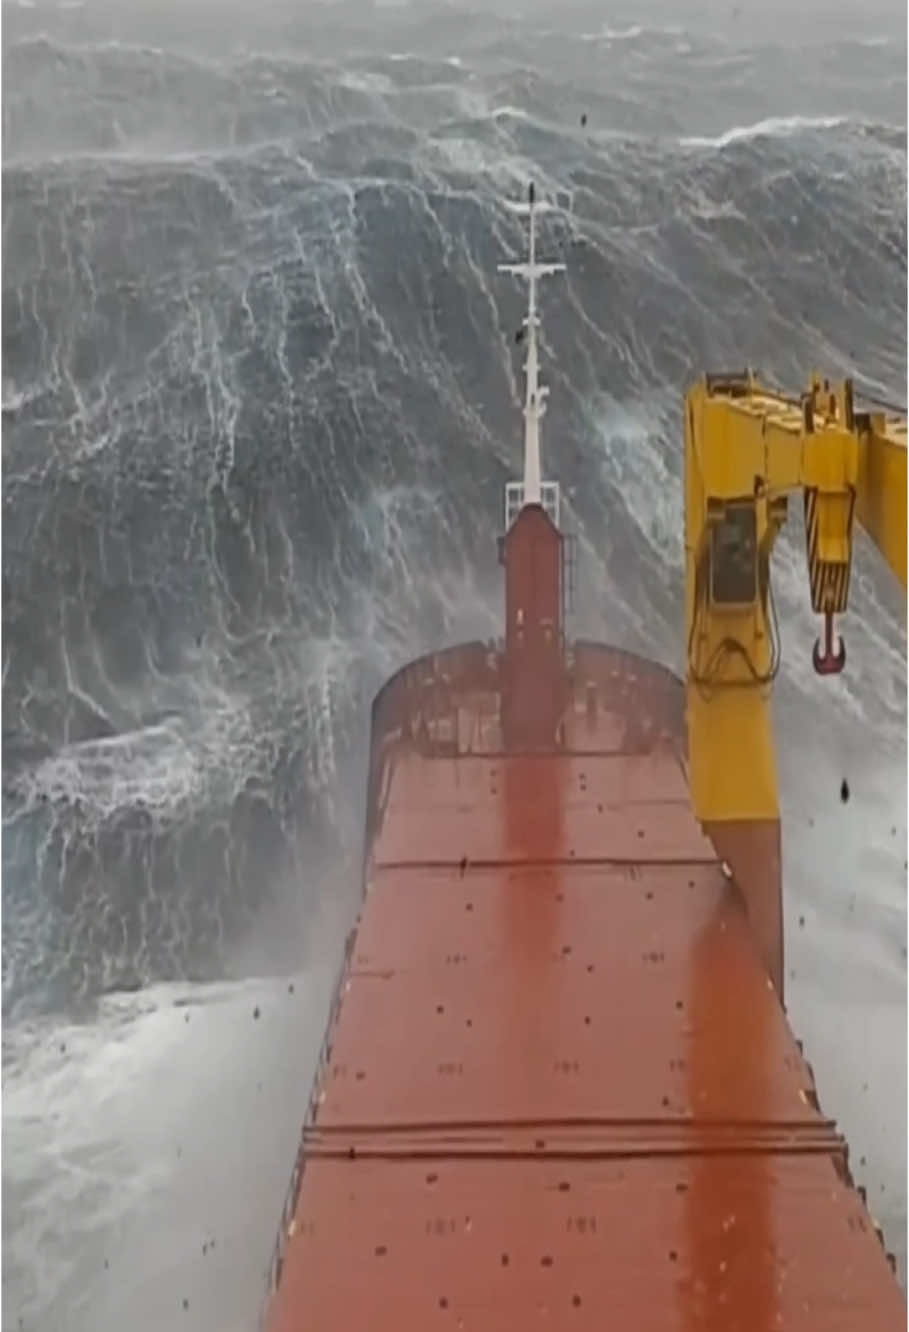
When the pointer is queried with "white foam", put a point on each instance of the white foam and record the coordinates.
(607, 34)
(634, 462)
(460, 153)
(154, 767)
(630, 34)
(14, 399)
(514, 112)
(772, 127)
(129, 1140)
(712, 212)
(621, 34)
(363, 81)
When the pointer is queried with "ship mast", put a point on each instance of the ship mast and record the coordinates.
(534, 685)
(536, 393)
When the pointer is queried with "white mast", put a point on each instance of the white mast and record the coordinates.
(536, 393)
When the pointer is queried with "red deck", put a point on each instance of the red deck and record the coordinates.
(561, 1089)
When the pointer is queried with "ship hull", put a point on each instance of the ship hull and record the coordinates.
(559, 1084)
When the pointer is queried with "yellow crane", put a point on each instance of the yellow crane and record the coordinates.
(748, 448)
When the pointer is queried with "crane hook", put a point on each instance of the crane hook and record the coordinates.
(830, 663)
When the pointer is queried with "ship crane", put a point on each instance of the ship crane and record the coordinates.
(748, 448)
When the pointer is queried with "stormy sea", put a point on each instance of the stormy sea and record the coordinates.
(260, 398)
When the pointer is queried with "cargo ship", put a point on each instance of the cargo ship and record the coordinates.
(558, 1087)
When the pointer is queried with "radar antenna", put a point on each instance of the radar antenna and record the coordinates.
(532, 491)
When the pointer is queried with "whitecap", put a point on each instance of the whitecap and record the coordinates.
(772, 127)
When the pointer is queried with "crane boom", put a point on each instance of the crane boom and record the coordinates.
(749, 447)
(880, 499)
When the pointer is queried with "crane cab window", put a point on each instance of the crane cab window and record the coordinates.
(733, 556)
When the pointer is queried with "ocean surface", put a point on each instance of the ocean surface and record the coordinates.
(259, 402)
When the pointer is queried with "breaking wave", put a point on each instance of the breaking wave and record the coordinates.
(260, 400)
